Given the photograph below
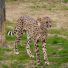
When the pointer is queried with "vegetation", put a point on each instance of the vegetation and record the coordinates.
(61, 31)
(44, 4)
(57, 49)
(65, 1)
(57, 46)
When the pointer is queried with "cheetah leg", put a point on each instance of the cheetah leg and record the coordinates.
(37, 52)
(44, 52)
(16, 43)
(28, 47)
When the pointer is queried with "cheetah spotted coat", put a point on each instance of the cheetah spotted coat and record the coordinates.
(36, 30)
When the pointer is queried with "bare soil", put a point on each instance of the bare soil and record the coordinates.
(15, 10)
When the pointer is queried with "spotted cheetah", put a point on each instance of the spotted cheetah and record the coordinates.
(36, 30)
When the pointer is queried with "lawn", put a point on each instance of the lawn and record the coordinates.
(57, 46)
(57, 49)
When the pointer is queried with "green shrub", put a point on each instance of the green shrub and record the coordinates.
(65, 1)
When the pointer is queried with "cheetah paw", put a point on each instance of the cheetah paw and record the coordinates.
(31, 56)
(16, 53)
(47, 63)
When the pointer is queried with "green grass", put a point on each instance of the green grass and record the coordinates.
(57, 49)
(65, 1)
(61, 31)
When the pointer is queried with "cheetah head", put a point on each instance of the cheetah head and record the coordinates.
(45, 22)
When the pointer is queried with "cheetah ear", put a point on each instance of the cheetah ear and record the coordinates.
(38, 19)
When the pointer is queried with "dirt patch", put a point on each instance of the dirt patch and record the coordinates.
(15, 10)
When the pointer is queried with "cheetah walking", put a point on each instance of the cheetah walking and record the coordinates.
(36, 30)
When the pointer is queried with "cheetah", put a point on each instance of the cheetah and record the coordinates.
(36, 30)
